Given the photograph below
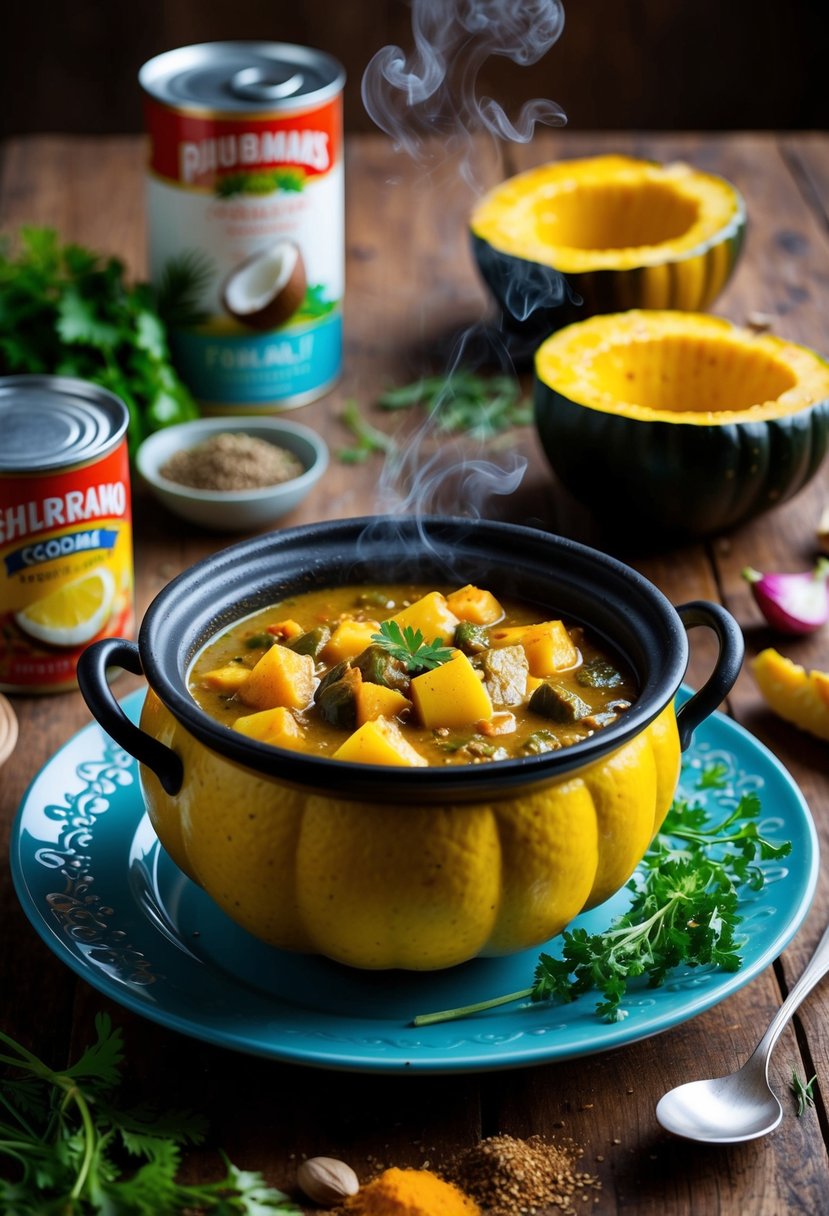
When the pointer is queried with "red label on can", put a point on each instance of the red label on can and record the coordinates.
(197, 150)
(66, 575)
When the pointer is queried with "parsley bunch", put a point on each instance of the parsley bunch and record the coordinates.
(72, 1150)
(69, 311)
(409, 647)
(684, 910)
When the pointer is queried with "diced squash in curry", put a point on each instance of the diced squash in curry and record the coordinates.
(281, 677)
(411, 675)
(379, 742)
(431, 615)
(275, 726)
(451, 695)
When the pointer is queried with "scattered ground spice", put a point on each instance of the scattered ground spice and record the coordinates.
(507, 1176)
(409, 1192)
(231, 460)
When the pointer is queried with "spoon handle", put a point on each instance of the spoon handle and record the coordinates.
(814, 971)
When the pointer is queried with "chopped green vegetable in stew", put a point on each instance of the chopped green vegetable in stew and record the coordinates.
(411, 675)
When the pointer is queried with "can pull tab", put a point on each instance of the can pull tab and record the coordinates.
(258, 84)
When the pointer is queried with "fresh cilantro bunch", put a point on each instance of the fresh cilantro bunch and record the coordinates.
(684, 910)
(410, 648)
(67, 1148)
(69, 311)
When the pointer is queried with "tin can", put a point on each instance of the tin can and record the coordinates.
(66, 573)
(245, 217)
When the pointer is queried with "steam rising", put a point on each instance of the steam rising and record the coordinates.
(427, 101)
(433, 91)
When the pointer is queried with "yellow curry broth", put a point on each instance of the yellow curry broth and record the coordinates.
(236, 652)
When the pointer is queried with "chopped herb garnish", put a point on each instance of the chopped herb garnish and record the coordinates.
(683, 910)
(713, 777)
(410, 648)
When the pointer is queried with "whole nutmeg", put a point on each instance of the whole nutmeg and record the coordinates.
(326, 1180)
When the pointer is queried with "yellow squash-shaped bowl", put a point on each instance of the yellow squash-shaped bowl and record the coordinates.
(421, 868)
(378, 885)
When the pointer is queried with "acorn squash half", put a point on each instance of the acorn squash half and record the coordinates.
(568, 240)
(679, 424)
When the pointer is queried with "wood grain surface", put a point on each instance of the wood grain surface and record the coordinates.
(413, 301)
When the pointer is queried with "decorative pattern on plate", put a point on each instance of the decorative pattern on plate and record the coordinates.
(88, 922)
(128, 922)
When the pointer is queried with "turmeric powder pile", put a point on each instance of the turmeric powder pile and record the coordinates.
(409, 1192)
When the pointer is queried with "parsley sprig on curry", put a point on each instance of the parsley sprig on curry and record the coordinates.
(410, 675)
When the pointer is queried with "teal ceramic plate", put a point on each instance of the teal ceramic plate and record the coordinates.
(106, 899)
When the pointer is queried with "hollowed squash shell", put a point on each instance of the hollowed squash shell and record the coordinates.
(568, 240)
(679, 423)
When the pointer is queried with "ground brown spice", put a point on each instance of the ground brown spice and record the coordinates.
(507, 1176)
(231, 460)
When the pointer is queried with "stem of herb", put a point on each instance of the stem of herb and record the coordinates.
(450, 1015)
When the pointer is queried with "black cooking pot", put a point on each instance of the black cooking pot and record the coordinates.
(584, 586)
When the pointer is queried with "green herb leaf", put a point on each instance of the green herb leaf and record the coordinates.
(684, 910)
(63, 1136)
(463, 401)
(369, 439)
(803, 1092)
(409, 647)
(70, 311)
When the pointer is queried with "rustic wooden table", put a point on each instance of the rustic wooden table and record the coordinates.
(411, 286)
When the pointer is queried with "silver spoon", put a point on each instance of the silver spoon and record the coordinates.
(741, 1106)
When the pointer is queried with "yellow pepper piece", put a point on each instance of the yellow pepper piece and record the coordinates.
(432, 616)
(276, 726)
(451, 695)
(548, 646)
(225, 679)
(281, 677)
(377, 701)
(349, 639)
(471, 604)
(379, 742)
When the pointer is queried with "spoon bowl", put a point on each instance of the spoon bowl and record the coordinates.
(723, 1110)
(742, 1105)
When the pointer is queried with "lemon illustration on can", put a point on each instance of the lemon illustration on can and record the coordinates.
(74, 613)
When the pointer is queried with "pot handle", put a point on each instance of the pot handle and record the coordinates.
(95, 689)
(726, 669)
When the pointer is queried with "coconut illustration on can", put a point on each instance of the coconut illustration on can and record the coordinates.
(245, 219)
(268, 287)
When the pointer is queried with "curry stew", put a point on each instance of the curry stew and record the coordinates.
(410, 675)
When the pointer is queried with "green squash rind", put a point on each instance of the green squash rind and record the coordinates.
(536, 299)
(701, 479)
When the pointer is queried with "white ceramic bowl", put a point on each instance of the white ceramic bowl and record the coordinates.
(232, 510)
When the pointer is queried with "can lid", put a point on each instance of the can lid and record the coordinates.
(242, 76)
(49, 422)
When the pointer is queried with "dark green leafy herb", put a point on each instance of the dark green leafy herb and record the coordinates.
(67, 310)
(803, 1092)
(65, 1138)
(409, 647)
(683, 910)
(480, 406)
